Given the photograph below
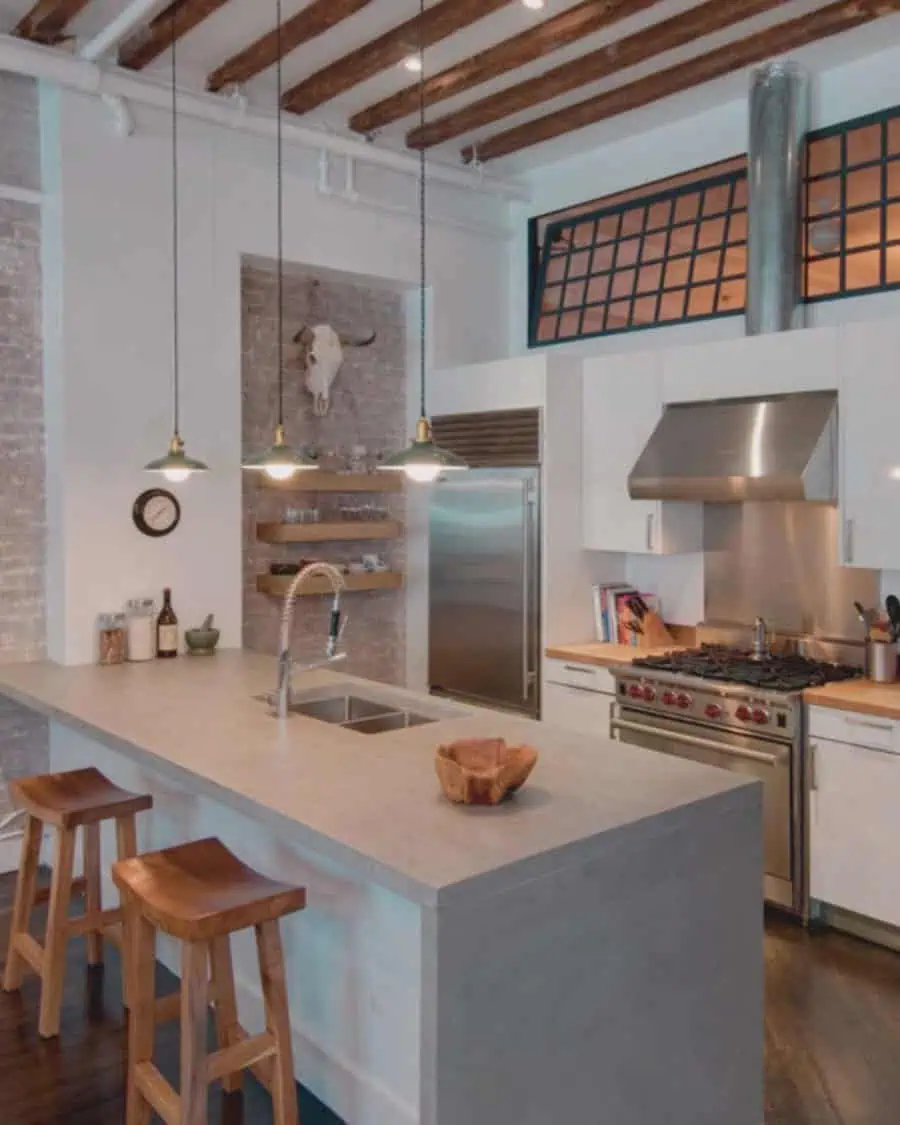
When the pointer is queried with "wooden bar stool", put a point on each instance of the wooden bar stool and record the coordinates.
(200, 893)
(68, 801)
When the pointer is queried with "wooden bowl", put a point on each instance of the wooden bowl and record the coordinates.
(483, 771)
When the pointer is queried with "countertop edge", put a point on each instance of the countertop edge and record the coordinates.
(857, 706)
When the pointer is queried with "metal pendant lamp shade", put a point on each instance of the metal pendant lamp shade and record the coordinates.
(280, 461)
(175, 466)
(423, 461)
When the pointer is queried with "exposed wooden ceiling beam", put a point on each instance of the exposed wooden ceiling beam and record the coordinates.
(440, 21)
(314, 20)
(550, 35)
(766, 44)
(149, 44)
(47, 21)
(609, 59)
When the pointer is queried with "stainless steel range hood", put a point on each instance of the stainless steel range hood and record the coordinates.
(780, 448)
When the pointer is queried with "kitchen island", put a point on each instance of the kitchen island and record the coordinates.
(589, 952)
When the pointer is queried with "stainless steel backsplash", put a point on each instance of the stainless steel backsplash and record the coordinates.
(780, 561)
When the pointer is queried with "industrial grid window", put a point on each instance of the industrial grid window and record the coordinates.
(852, 208)
(675, 255)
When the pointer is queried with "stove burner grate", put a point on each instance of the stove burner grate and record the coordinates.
(737, 666)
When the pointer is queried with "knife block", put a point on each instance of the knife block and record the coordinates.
(655, 634)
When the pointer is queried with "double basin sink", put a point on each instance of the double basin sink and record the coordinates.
(355, 712)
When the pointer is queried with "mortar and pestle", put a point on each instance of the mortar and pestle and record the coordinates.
(203, 640)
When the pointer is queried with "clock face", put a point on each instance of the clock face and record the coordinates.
(156, 512)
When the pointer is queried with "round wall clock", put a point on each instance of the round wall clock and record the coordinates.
(156, 513)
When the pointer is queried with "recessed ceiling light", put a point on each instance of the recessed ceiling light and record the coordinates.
(535, 5)
(413, 63)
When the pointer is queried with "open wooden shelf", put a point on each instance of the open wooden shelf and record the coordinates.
(277, 585)
(339, 531)
(318, 480)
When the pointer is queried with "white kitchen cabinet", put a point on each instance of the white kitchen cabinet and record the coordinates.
(576, 708)
(622, 404)
(773, 364)
(870, 444)
(854, 842)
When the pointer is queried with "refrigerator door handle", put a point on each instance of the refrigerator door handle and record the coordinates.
(529, 674)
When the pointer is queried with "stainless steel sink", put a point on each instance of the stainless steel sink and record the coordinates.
(395, 720)
(340, 709)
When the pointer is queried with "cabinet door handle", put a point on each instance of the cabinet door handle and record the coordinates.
(580, 669)
(869, 724)
(813, 767)
(848, 540)
(650, 532)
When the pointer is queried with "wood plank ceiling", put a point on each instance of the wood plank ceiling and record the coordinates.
(506, 78)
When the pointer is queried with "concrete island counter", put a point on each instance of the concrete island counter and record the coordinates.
(591, 951)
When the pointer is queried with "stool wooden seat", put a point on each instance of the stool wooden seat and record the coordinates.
(66, 801)
(201, 893)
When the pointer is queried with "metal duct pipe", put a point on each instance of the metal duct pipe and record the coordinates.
(779, 118)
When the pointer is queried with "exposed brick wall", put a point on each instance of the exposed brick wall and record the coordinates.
(368, 407)
(23, 735)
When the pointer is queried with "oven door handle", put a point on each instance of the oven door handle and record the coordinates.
(692, 740)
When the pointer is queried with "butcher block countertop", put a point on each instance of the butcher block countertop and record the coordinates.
(604, 655)
(858, 695)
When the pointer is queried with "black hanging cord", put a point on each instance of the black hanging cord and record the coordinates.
(279, 146)
(423, 228)
(175, 289)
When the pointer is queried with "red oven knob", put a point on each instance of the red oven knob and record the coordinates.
(648, 694)
(684, 700)
(760, 715)
(669, 698)
(743, 713)
(714, 711)
(635, 691)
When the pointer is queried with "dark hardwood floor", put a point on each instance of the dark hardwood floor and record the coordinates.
(832, 1041)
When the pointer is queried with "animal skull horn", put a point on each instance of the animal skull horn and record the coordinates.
(321, 355)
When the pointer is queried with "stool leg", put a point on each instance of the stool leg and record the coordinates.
(126, 848)
(225, 1004)
(139, 954)
(23, 903)
(93, 894)
(194, 1003)
(271, 971)
(57, 937)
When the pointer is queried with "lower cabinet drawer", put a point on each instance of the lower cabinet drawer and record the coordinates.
(578, 709)
(854, 844)
(857, 729)
(570, 672)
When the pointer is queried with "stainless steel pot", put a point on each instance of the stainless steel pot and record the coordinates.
(881, 661)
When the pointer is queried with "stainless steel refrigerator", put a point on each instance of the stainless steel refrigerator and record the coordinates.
(485, 551)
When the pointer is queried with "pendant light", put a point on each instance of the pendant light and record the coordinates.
(280, 461)
(176, 466)
(423, 461)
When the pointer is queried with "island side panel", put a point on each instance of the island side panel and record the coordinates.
(627, 989)
(353, 957)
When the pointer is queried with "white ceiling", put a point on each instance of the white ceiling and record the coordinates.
(239, 22)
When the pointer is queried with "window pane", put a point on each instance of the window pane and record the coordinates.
(825, 196)
(644, 311)
(893, 137)
(737, 229)
(864, 269)
(824, 155)
(706, 266)
(575, 294)
(687, 207)
(623, 283)
(579, 263)
(568, 326)
(701, 300)
(547, 329)
(619, 314)
(660, 215)
(677, 272)
(893, 222)
(597, 290)
(864, 227)
(892, 265)
(864, 187)
(556, 270)
(715, 201)
(712, 233)
(864, 145)
(823, 277)
(650, 279)
(893, 179)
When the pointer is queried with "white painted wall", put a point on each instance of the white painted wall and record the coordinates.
(108, 327)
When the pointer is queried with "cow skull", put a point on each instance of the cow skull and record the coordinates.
(321, 356)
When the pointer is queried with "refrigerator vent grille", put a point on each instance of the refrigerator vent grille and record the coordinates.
(509, 439)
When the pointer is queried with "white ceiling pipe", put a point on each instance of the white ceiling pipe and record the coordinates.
(51, 65)
(129, 19)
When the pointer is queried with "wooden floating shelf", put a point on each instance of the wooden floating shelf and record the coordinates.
(278, 585)
(320, 481)
(343, 531)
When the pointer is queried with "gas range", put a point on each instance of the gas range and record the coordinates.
(727, 687)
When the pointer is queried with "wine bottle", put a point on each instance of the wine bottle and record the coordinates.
(167, 629)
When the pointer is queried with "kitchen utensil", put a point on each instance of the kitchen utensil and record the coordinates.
(201, 642)
(892, 606)
(867, 617)
(638, 607)
(635, 627)
(483, 771)
(881, 661)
